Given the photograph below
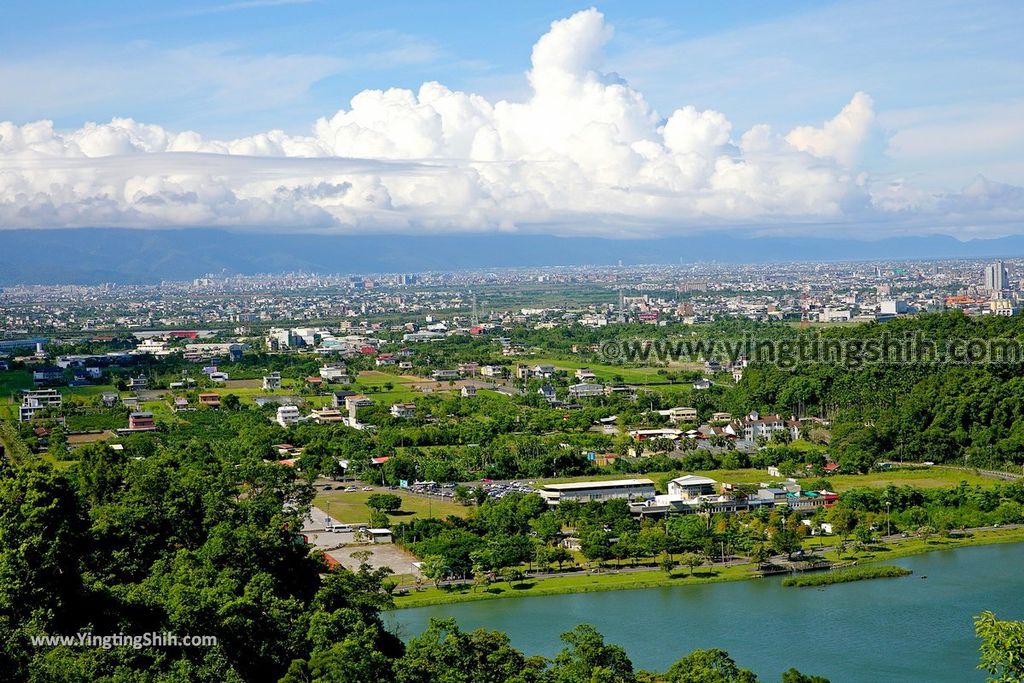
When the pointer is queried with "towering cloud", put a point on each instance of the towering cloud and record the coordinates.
(583, 153)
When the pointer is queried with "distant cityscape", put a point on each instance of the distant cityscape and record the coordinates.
(547, 297)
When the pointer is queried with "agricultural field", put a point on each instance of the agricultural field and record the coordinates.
(95, 421)
(605, 372)
(87, 391)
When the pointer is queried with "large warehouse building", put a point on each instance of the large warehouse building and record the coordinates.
(586, 491)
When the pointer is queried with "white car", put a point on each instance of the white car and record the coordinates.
(367, 488)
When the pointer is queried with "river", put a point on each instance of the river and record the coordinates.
(904, 629)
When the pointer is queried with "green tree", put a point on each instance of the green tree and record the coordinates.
(446, 654)
(588, 658)
(379, 520)
(708, 666)
(595, 546)
(691, 560)
(354, 659)
(786, 541)
(559, 555)
(547, 526)
(794, 676)
(462, 494)
(1002, 648)
(512, 575)
(434, 568)
(384, 502)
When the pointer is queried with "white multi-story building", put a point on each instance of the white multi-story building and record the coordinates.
(154, 347)
(754, 425)
(403, 410)
(32, 401)
(287, 415)
(691, 486)
(335, 373)
(492, 371)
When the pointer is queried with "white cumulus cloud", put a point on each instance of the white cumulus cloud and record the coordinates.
(584, 153)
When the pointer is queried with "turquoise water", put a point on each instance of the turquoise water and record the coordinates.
(904, 629)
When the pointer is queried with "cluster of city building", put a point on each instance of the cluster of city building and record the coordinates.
(837, 292)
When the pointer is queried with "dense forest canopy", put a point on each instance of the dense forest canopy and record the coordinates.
(199, 541)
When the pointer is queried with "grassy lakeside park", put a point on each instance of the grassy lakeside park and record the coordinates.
(653, 578)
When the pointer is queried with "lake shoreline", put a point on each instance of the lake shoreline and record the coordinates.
(616, 580)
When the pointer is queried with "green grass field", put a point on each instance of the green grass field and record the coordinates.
(877, 552)
(574, 583)
(13, 381)
(351, 507)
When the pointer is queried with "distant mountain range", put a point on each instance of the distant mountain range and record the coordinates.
(96, 255)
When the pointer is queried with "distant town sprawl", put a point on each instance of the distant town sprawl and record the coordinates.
(590, 296)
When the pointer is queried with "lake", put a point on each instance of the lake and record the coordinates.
(904, 629)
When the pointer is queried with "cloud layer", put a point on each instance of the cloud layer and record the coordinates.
(584, 154)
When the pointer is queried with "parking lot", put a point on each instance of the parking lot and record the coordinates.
(494, 489)
(381, 555)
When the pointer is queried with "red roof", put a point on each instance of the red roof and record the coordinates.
(368, 350)
(831, 467)
(380, 461)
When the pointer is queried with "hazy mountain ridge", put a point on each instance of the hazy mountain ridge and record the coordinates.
(95, 255)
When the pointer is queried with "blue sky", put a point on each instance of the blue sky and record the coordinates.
(344, 47)
(946, 78)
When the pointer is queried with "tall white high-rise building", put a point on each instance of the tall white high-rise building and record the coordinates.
(996, 278)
